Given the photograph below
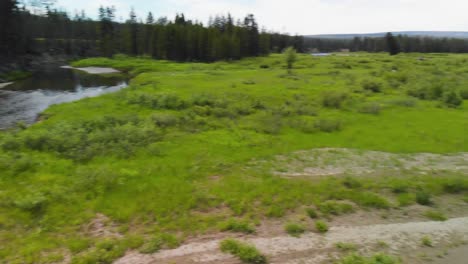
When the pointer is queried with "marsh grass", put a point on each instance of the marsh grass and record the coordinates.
(170, 154)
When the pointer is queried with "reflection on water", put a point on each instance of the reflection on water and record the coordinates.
(24, 100)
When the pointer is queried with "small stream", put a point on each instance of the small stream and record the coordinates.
(24, 100)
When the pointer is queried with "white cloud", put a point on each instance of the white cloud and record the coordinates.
(307, 16)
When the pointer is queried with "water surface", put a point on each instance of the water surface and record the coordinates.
(23, 101)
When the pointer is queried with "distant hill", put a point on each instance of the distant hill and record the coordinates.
(436, 34)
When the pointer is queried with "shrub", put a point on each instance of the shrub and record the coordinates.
(371, 108)
(321, 226)
(351, 183)
(328, 125)
(372, 86)
(426, 241)
(335, 208)
(376, 259)
(164, 120)
(264, 66)
(311, 213)
(371, 200)
(423, 198)
(245, 252)
(334, 99)
(464, 93)
(294, 230)
(346, 246)
(455, 186)
(435, 215)
(452, 99)
(78, 245)
(405, 199)
(160, 241)
(237, 226)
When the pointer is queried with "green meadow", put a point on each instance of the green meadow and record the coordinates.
(189, 149)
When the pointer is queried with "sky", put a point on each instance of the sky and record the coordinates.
(304, 17)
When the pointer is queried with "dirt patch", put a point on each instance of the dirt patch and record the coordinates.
(337, 161)
(101, 226)
(317, 248)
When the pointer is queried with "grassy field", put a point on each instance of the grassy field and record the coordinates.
(171, 156)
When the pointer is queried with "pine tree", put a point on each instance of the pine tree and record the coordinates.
(393, 46)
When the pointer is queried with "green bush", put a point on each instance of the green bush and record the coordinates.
(346, 246)
(373, 86)
(237, 226)
(435, 215)
(370, 108)
(370, 200)
(452, 99)
(335, 208)
(321, 226)
(294, 230)
(334, 99)
(426, 241)
(311, 213)
(376, 259)
(328, 125)
(164, 120)
(160, 241)
(245, 252)
(423, 198)
(464, 93)
(351, 183)
(405, 199)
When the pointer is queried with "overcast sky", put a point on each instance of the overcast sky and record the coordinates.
(304, 16)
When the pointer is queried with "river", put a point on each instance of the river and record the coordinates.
(24, 100)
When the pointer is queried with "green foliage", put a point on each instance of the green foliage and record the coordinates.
(311, 213)
(423, 198)
(372, 86)
(294, 230)
(426, 241)
(160, 241)
(376, 259)
(188, 146)
(346, 246)
(328, 125)
(245, 252)
(321, 226)
(291, 57)
(234, 225)
(435, 215)
(334, 99)
(335, 208)
(452, 99)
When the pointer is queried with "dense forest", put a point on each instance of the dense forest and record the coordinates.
(54, 31)
(404, 43)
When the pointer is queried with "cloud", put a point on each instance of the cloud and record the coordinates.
(305, 16)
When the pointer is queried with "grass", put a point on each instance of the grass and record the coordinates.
(379, 258)
(321, 226)
(234, 225)
(435, 215)
(346, 246)
(245, 252)
(294, 230)
(426, 241)
(173, 152)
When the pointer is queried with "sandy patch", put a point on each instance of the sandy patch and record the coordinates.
(3, 85)
(102, 226)
(316, 248)
(93, 70)
(337, 161)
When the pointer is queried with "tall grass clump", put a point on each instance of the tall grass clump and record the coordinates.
(245, 252)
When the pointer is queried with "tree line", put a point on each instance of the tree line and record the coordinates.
(54, 31)
(389, 43)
